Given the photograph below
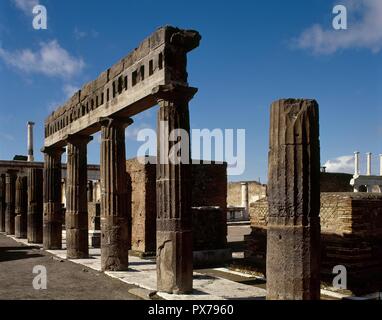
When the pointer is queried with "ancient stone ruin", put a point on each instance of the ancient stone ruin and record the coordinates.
(293, 233)
(154, 73)
(177, 212)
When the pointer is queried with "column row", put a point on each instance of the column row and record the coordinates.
(21, 204)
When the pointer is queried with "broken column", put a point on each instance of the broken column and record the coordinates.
(10, 187)
(52, 220)
(115, 209)
(293, 232)
(174, 216)
(2, 203)
(76, 218)
(21, 207)
(35, 205)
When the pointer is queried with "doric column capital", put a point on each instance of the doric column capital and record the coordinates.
(58, 151)
(77, 139)
(174, 93)
(115, 121)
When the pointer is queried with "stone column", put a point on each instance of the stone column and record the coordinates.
(30, 141)
(368, 167)
(35, 205)
(53, 213)
(115, 209)
(76, 218)
(356, 164)
(90, 191)
(293, 231)
(2, 203)
(244, 199)
(21, 207)
(174, 216)
(10, 187)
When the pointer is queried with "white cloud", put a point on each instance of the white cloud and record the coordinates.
(343, 164)
(51, 60)
(26, 6)
(364, 30)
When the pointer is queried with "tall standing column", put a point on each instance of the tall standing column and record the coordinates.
(77, 243)
(35, 205)
(30, 141)
(368, 164)
(244, 199)
(293, 231)
(21, 207)
(115, 209)
(90, 191)
(52, 220)
(174, 217)
(10, 187)
(2, 203)
(356, 164)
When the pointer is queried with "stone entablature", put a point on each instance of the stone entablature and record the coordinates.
(159, 60)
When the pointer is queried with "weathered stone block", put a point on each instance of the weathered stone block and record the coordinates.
(293, 237)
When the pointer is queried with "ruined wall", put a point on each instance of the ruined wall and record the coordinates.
(209, 190)
(335, 182)
(351, 235)
(143, 204)
(256, 191)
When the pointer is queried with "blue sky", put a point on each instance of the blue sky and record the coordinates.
(252, 53)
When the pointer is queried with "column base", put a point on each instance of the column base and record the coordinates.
(114, 244)
(20, 228)
(77, 245)
(34, 227)
(293, 257)
(174, 262)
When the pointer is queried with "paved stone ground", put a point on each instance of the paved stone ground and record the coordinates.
(66, 280)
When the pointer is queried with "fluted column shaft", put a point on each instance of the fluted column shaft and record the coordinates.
(77, 243)
(115, 209)
(293, 230)
(35, 205)
(53, 213)
(10, 187)
(21, 207)
(2, 203)
(174, 218)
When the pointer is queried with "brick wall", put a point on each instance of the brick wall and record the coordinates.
(351, 234)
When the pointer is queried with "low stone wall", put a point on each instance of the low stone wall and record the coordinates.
(209, 190)
(351, 235)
